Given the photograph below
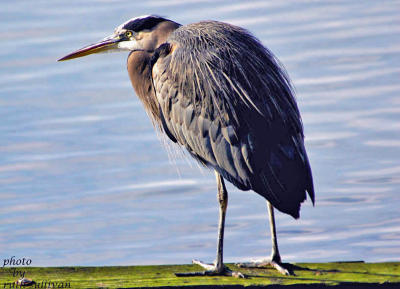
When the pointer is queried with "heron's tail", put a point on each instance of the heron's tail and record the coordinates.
(287, 178)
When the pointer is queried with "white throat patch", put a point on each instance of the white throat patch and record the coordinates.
(129, 45)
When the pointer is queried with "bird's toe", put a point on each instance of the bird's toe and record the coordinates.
(279, 266)
(211, 270)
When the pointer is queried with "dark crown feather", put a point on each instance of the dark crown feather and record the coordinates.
(145, 23)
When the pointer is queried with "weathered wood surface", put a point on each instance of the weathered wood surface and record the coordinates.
(308, 275)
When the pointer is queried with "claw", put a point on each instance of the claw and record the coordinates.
(280, 268)
(211, 270)
(263, 263)
(208, 267)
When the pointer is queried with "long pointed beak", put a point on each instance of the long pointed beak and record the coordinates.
(109, 43)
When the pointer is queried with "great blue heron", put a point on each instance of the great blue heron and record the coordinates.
(214, 89)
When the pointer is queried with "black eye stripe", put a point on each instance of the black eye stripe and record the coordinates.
(143, 23)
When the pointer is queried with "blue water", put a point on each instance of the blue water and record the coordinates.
(84, 179)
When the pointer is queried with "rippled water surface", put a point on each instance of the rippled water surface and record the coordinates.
(84, 179)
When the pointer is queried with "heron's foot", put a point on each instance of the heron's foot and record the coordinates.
(278, 265)
(211, 270)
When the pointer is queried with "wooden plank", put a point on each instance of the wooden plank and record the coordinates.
(342, 274)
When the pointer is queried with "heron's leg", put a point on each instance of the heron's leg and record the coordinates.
(222, 197)
(275, 260)
(218, 267)
(275, 256)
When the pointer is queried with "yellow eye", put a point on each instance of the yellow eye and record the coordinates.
(128, 34)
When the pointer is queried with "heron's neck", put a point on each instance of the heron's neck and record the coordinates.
(140, 75)
(162, 32)
(139, 69)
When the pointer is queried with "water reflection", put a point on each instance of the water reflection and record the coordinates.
(85, 180)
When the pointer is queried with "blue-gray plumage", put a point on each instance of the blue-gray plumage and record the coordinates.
(224, 97)
(214, 89)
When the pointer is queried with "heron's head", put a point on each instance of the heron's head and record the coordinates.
(140, 33)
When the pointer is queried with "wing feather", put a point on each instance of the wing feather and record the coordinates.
(226, 99)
